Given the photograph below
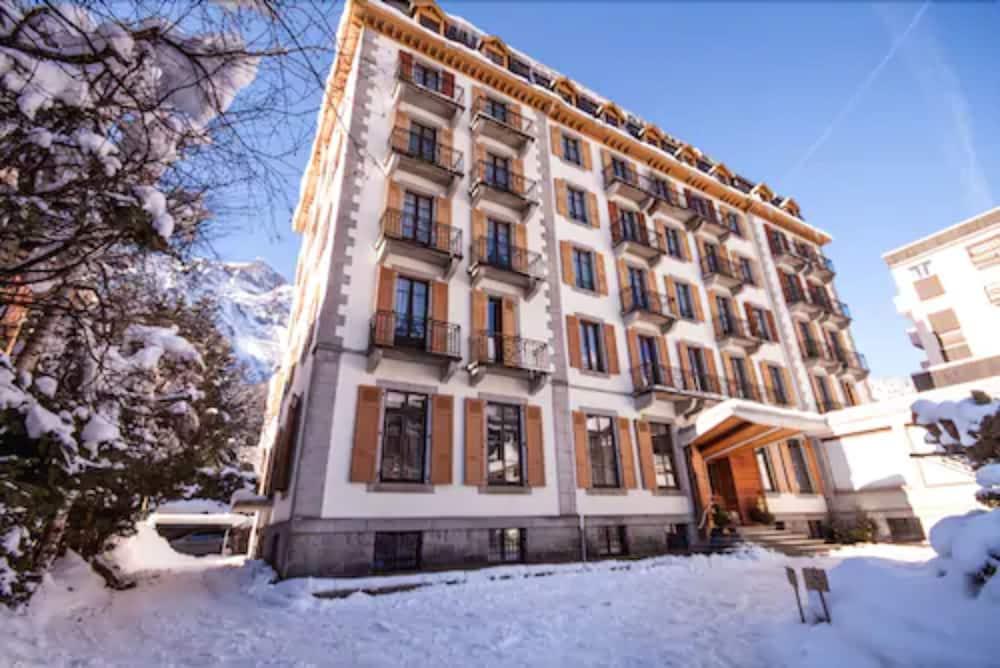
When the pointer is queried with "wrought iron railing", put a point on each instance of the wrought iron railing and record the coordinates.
(794, 295)
(648, 301)
(718, 266)
(493, 253)
(505, 115)
(825, 406)
(432, 81)
(397, 330)
(637, 233)
(623, 173)
(852, 360)
(404, 226)
(413, 145)
(743, 390)
(510, 351)
(661, 190)
(730, 325)
(824, 263)
(704, 209)
(814, 350)
(651, 375)
(504, 180)
(777, 396)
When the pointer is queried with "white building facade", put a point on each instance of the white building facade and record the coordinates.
(530, 327)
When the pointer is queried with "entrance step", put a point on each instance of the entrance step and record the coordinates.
(790, 543)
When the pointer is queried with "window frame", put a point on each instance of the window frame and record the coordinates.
(572, 150)
(664, 462)
(606, 547)
(505, 423)
(746, 271)
(604, 474)
(673, 240)
(578, 257)
(395, 537)
(387, 414)
(763, 326)
(576, 205)
(592, 354)
(800, 466)
(498, 551)
(689, 295)
(765, 468)
(778, 383)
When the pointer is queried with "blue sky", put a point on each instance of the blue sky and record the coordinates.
(881, 140)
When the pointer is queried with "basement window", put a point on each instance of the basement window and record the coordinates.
(397, 551)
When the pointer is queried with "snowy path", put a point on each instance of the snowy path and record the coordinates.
(698, 611)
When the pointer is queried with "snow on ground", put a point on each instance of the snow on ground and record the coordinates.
(735, 610)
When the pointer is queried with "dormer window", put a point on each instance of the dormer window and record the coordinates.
(587, 105)
(520, 68)
(496, 109)
(430, 24)
(495, 57)
(611, 120)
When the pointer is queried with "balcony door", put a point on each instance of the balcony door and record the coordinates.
(711, 257)
(650, 361)
(423, 142)
(630, 226)
(426, 77)
(498, 243)
(637, 286)
(726, 322)
(494, 329)
(498, 172)
(699, 371)
(411, 312)
(740, 378)
(825, 399)
(621, 170)
(418, 218)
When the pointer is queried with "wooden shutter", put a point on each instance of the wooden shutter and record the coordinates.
(772, 325)
(573, 341)
(790, 480)
(644, 439)
(786, 380)
(479, 233)
(555, 138)
(562, 198)
(582, 456)
(710, 362)
(385, 300)
(814, 470)
(442, 438)
(602, 277)
(585, 154)
(480, 166)
(685, 245)
(727, 369)
(447, 83)
(509, 331)
(442, 206)
(685, 364)
(612, 214)
(751, 322)
(605, 160)
(752, 374)
(664, 356)
(593, 215)
(623, 283)
(625, 453)
(765, 375)
(519, 258)
(475, 428)
(406, 63)
(394, 200)
(479, 300)
(366, 431)
(517, 169)
(611, 349)
(632, 341)
(285, 450)
(439, 313)
(695, 291)
(671, 295)
(713, 307)
(534, 444)
(566, 258)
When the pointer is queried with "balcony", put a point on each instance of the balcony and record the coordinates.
(734, 334)
(820, 270)
(784, 256)
(623, 181)
(835, 312)
(818, 357)
(411, 153)
(504, 125)
(428, 90)
(654, 383)
(799, 304)
(508, 264)
(718, 273)
(854, 365)
(701, 215)
(648, 307)
(661, 198)
(510, 356)
(404, 235)
(776, 398)
(422, 340)
(500, 186)
(743, 390)
(827, 405)
(637, 240)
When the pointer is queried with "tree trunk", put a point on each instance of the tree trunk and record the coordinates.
(52, 540)
(33, 348)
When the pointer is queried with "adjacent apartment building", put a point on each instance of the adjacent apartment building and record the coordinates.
(530, 326)
(948, 285)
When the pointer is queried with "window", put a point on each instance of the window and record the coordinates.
(778, 384)
(503, 444)
(498, 172)
(396, 551)
(498, 243)
(494, 329)
(746, 271)
(741, 381)
(590, 346)
(411, 312)
(699, 371)
(426, 76)
(404, 437)
(685, 305)
(799, 465)
(430, 23)
(629, 224)
(496, 57)
(660, 188)
(673, 242)
(764, 467)
(620, 169)
(905, 528)
(637, 288)
(711, 258)
(663, 456)
(506, 546)
(733, 223)
(423, 142)
(520, 68)
(611, 120)
(603, 454)
(577, 204)
(496, 109)
(825, 400)
(727, 325)
(610, 541)
(760, 323)
(418, 218)
(677, 537)
(571, 150)
(583, 268)
(649, 360)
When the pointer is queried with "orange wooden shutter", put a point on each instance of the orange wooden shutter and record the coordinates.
(443, 233)
(562, 198)
(710, 362)
(768, 384)
(573, 341)
(632, 340)
(713, 307)
(623, 282)
(519, 257)
(442, 438)
(605, 160)
(602, 277)
(593, 215)
(406, 63)
(481, 351)
(366, 429)
(625, 453)
(789, 391)
(555, 138)
(517, 169)
(394, 200)
(670, 295)
(684, 363)
(534, 444)
(661, 351)
(509, 331)
(582, 455)
(385, 299)
(611, 348)
(474, 446)
(772, 325)
(585, 154)
(447, 83)
(751, 322)
(566, 257)
(612, 214)
(439, 313)
(813, 466)
(644, 439)
(699, 314)
(479, 233)
(685, 246)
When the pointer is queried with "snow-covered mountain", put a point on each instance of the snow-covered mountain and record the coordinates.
(254, 304)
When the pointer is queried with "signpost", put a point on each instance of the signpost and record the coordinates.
(793, 580)
(815, 579)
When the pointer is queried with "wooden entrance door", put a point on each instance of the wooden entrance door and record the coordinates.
(720, 476)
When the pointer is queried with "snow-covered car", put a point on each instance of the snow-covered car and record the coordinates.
(200, 543)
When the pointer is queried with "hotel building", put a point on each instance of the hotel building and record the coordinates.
(530, 326)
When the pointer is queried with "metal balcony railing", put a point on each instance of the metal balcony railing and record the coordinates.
(648, 301)
(622, 231)
(730, 325)
(777, 397)
(501, 114)
(852, 360)
(491, 252)
(827, 405)
(652, 374)
(743, 390)
(430, 80)
(414, 145)
(794, 295)
(504, 180)
(717, 266)
(824, 262)
(661, 190)
(510, 351)
(404, 226)
(814, 350)
(620, 172)
(397, 330)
